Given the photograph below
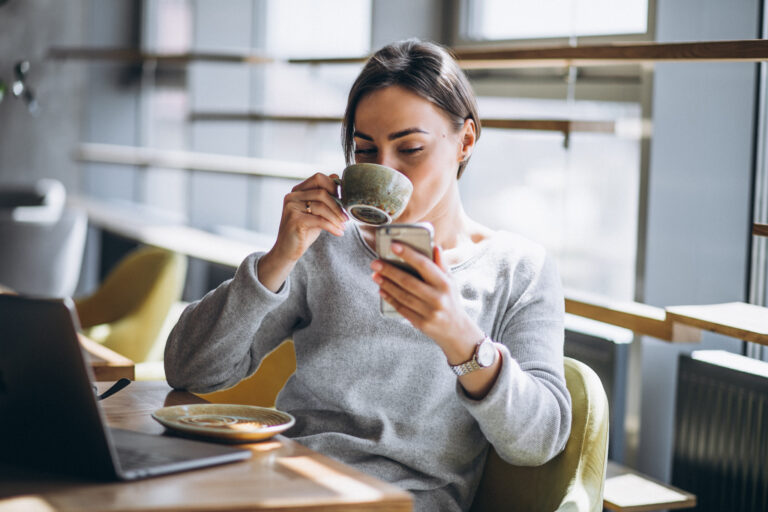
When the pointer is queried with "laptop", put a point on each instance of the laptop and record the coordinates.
(50, 418)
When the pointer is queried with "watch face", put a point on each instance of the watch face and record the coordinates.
(486, 353)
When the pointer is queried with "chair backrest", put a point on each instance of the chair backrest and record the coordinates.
(42, 201)
(262, 387)
(43, 256)
(127, 312)
(573, 480)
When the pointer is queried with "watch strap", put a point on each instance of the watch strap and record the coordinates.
(465, 368)
(471, 365)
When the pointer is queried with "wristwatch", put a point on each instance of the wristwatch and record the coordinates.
(485, 355)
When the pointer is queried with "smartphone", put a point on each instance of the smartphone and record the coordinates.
(417, 236)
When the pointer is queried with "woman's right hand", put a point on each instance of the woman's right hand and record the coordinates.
(308, 209)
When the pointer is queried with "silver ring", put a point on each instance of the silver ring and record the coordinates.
(308, 207)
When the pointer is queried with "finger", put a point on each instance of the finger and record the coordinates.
(317, 180)
(328, 199)
(316, 217)
(320, 203)
(305, 222)
(437, 254)
(402, 284)
(402, 277)
(404, 296)
(427, 269)
(414, 318)
(321, 209)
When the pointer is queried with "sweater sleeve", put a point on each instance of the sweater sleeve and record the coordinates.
(526, 415)
(222, 338)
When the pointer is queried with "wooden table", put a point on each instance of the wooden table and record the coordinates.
(739, 320)
(281, 475)
(627, 490)
(106, 364)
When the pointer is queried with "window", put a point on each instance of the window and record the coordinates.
(279, 28)
(523, 19)
(580, 202)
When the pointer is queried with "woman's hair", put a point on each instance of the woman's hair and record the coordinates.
(424, 68)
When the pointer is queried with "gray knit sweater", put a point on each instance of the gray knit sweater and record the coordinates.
(375, 392)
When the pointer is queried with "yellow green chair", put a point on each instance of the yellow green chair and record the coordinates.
(127, 312)
(572, 481)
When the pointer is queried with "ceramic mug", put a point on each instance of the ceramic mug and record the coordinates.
(373, 194)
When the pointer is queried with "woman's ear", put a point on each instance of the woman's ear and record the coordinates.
(467, 135)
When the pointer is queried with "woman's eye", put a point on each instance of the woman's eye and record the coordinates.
(411, 151)
(362, 151)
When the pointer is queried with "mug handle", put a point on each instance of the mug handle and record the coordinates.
(337, 195)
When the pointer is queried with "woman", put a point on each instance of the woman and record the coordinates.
(403, 401)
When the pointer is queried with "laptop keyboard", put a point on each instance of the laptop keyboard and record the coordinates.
(135, 459)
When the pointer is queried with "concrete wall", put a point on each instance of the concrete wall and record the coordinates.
(699, 196)
(402, 19)
(112, 93)
(34, 147)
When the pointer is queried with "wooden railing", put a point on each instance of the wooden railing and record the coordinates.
(555, 125)
(192, 161)
(752, 50)
(673, 324)
(564, 126)
(136, 56)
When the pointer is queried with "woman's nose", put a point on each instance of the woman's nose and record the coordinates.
(385, 159)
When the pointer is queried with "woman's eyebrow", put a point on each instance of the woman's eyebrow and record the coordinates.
(403, 133)
(392, 136)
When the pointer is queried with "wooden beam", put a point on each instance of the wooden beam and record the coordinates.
(753, 50)
(735, 319)
(106, 364)
(564, 126)
(205, 162)
(130, 223)
(750, 50)
(136, 56)
(676, 324)
(640, 318)
(257, 116)
(627, 490)
(760, 229)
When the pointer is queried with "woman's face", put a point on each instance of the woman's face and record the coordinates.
(400, 129)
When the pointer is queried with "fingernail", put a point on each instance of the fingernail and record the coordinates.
(376, 265)
(377, 278)
(396, 248)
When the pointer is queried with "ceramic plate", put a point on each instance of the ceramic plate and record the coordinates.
(233, 423)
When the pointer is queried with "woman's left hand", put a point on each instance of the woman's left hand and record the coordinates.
(433, 305)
